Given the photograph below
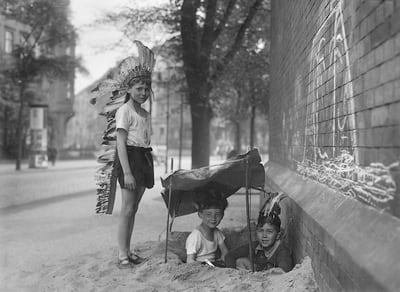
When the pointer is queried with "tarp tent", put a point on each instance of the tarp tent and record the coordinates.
(182, 187)
(225, 178)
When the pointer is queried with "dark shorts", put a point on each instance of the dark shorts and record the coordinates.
(141, 164)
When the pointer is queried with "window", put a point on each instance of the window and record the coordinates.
(68, 51)
(23, 37)
(49, 51)
(37, 50)
(69, 90)
(8, 8)
(9, 42)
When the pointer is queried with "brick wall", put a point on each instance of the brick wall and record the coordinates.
(335, 122)
(335, 95)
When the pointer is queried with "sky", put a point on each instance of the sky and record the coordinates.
(94, 42)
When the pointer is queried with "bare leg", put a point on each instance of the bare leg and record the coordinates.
(139, 194)
(129, 205)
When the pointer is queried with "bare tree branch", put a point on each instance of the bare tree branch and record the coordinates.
(189, 33)
(238, 40)
(224, 20)
(208, 28)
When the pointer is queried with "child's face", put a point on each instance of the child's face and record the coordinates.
(211, 217)
(267, 235)
(139, 92)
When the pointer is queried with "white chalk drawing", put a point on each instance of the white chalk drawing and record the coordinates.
(330, 153)
(373, 185)
(330, 97)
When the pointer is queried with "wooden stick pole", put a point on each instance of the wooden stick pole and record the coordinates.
(168, 211)
(248, 214)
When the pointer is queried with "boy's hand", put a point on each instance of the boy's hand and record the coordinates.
(220, 263)
(129, 181)
(275, 271)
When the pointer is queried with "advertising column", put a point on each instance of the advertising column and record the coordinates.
(38, 132)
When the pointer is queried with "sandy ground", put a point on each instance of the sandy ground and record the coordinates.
(47, 247)
(97, 272)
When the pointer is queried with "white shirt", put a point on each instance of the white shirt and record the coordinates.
(204, 249)
(137, 125)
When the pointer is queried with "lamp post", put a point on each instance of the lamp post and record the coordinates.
(166, 82)
(171, 77)
(167, 125)
(180, 132)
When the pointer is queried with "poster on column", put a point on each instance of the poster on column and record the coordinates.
(38, 133)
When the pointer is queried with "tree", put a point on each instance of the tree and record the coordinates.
(244, 88)
(202, 24)
(205, 48)
(47, 30)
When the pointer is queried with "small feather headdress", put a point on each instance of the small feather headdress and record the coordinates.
(271, 209)
(109, 96)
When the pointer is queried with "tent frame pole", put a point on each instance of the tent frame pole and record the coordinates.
(167, 230)
(248, 214)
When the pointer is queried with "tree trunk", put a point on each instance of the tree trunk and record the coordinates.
(197, 44)
(19, 129)
(252, 125)
(5, 131)
(236, 121)
(238, 136)
(201, 117)
(253, 113)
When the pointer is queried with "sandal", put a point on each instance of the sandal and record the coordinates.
(124, 263)
(135, 259)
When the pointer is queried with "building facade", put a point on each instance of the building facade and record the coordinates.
(85, 129)
(57, 95)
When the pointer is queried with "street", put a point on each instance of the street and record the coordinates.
(51, 228)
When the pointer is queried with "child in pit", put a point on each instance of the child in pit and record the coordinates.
(204, 241)
(269, 251)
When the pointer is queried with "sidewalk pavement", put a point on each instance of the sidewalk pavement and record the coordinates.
(8, 166)
(65, 178)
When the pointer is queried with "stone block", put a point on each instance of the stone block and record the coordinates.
(379, 115)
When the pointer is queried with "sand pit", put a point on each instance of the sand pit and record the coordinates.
(98, 272)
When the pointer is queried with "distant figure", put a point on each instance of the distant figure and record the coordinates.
(204, 241)
(222, 148)
(52, 155)
(232, 154)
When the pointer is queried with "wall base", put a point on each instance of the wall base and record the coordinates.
(348, 242)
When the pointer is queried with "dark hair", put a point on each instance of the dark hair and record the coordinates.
(135, 80)
(210, 200)
(272, 218)
(138, 79)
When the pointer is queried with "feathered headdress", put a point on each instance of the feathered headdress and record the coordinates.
(110, 95)
(271, 210)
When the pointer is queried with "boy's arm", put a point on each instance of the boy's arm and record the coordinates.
(233, 255)
(224, 250)
(284, 260)
(191, 258)
(192, 246)
(129, 180)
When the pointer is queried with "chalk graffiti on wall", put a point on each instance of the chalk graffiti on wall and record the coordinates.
(373, 185)
(330, 139)
(330, 116)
